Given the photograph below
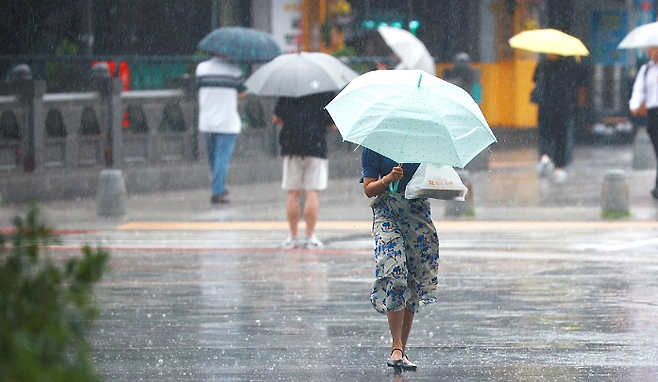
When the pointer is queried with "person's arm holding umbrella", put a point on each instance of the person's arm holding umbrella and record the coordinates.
(375, 186)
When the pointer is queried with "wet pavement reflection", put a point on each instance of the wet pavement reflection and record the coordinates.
(522, 313)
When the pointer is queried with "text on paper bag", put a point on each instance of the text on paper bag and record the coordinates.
(440, 182)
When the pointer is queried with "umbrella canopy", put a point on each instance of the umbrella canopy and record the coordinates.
(411, 116)
(643, 36)
(549, 41)
(300, 74)
(240, 44)
(411, 51)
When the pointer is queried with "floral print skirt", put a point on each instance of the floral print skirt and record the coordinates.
(406, 254)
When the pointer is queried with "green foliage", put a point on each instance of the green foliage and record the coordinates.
(45, 306)
(62, 76)
(66, 48)
(346, 51)
(349, 52)
(190, 68)
(607, 214)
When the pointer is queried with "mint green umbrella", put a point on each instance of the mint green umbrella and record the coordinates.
(411, 116)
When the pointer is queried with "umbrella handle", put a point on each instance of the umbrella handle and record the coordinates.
(393, 186)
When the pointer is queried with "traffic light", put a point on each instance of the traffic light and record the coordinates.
(373, 24)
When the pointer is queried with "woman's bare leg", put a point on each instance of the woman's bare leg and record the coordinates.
(400, 325)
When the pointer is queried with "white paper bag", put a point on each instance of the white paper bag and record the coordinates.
(437, 182)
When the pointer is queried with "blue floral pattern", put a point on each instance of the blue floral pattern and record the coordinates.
(406, 254)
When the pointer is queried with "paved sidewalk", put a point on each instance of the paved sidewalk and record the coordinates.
(509, 191)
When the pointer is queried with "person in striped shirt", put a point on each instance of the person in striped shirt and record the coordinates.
(220, 85)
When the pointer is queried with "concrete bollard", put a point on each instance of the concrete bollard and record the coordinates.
(111, 196)
(615, 197)
(455, 208)
(644, 157)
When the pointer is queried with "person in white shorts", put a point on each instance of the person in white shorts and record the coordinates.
(303, 140)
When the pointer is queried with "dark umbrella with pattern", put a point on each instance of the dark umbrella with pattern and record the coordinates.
(241, 44)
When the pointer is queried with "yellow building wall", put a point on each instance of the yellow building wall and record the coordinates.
(506, 84)
(506, 88)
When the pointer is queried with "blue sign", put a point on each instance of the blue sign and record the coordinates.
(608, 29)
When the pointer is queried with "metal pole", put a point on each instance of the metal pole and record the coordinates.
(410, 13)
(87, 32)
(87, 42)
(214, 17)
(228, 13)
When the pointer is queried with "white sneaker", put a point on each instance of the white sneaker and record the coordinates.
(289, 243)
(544, 167)
(313, 243)
(560, 176)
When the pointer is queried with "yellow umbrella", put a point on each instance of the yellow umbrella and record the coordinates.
(549, 41)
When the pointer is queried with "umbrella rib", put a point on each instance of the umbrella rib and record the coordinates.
(470, 132)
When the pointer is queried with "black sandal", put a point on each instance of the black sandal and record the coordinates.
(408, 365)
(398, 363)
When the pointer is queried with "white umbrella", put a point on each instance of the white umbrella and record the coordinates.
(411, 51)
(641, 37)
(300, 74)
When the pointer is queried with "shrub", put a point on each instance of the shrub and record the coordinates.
(45, 306)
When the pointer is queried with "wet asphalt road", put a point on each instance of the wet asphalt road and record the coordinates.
(537, 286)
(519, 301)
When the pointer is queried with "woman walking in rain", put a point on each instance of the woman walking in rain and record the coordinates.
(406, 250)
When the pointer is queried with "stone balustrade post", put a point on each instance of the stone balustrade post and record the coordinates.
(30, 94)
(110, 92)
(115, 114)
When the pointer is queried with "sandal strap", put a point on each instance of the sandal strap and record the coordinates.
(400, 350)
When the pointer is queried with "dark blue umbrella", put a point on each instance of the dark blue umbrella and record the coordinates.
(240, 44)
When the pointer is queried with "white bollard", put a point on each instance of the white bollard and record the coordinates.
(644, 157)
(111, 195)
(615, 196)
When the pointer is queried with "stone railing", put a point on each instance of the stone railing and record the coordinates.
(110, 127)
(53, 145)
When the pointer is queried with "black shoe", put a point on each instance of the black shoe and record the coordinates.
(408, 365)
(219, 199)
(397, 363)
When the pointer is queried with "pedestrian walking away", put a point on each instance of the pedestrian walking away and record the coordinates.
(558, 80)
(220, 86)
(645, 92)
(406, 250)
(464, 75)
(303, 140)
